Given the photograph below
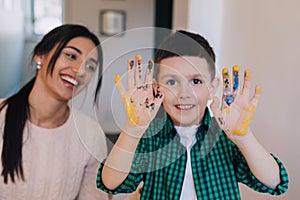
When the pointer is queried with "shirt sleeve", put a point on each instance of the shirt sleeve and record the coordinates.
(245, 176)
(129, 185)
(88, 188)
(142, 160)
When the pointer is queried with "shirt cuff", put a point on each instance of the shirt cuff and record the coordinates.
(128, 185)
(282, 187)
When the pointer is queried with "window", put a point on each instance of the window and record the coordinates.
(46, 15)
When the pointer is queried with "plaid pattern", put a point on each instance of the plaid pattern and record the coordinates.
(217, 165)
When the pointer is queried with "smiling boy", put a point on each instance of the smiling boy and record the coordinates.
(186, 153)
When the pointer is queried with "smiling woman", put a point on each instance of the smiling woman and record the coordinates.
(73, 71)
(50, 155)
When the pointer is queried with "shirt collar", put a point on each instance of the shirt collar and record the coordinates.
(201, 131)
(206, 122)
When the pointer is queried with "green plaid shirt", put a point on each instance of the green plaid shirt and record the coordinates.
(217, 165)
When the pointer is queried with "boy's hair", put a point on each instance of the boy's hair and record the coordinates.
(183, 43)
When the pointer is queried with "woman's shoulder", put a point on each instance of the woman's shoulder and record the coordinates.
(2, 100)
(90, 133)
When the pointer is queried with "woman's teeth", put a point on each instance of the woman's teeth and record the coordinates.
(70, 80)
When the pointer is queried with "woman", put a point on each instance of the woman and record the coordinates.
(48, 149)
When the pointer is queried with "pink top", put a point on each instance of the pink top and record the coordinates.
(59, 163)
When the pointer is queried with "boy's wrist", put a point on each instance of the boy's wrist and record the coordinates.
(133, 130)
(120, 155)
(244, 140)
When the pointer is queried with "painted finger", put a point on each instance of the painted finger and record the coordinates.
(149, 74)
(156, 104)
(119, 85)
(227, 94)
(138, 71)
(157, 93)
(235, 79)
(225, 114)
(256, 96)
(130, 75)
(130, 107)
(247, 81)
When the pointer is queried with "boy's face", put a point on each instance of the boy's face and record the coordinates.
(186, 85)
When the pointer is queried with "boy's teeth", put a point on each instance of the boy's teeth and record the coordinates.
(185, 106)
(70, 80)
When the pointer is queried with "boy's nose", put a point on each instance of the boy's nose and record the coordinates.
(184, 91)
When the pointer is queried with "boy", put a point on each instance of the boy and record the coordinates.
(186, 153)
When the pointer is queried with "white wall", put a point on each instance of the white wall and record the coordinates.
(264, 37)
(139, 14)
(11, 47)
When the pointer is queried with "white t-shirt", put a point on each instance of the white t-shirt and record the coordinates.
(188, 139)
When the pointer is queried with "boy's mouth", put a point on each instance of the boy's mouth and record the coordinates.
(184, 106)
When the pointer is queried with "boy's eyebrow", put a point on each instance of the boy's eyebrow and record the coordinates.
(198, 75)
(189, 76)
(169, 75)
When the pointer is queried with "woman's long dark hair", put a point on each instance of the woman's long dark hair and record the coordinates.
(17, 111)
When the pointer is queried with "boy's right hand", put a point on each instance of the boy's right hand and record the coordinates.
(140, 101)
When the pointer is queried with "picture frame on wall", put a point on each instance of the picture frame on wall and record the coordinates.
(112, 22)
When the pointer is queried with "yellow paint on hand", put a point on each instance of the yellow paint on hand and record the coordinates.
(138, 57)
(130, 109)
(225, 73)
(244, 123)
(258, 90)
(235, 68)
(227, 109)
(117, 80)
(247, 75)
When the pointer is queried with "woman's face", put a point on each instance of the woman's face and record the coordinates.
(73, 69)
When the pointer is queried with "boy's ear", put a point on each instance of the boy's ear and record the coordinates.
(214, 86)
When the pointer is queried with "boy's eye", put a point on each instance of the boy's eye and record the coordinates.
(171, 82)
(197, 81)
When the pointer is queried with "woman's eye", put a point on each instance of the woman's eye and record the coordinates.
(197, 81)
(90, 67)
(171, 82)
(72, 56)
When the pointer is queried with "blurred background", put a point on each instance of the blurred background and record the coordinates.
(262, 36)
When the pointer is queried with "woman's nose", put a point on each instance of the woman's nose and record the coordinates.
(79, 70)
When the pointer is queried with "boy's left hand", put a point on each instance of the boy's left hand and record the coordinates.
(237, 109)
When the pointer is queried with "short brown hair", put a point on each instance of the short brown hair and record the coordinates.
(184, 43)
